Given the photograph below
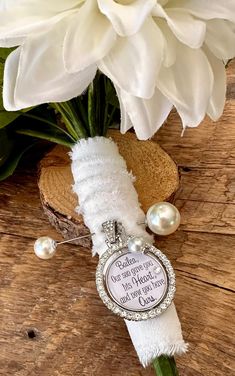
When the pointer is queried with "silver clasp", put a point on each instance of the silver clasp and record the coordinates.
(115, 233)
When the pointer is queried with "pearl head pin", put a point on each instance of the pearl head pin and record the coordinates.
(45, 247)
(136, 244)
(163, 218)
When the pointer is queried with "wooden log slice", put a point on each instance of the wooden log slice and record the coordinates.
(156, 175)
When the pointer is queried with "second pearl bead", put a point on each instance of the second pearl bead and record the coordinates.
(163, 218)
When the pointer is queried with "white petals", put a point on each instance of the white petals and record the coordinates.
(158, 53)
(170, 44)
(10, 76)
(185, 27)
(126, 18)
(35, 73)
(20, 18)
(207, 9)
(220, 38)
(30, 6)
(125, 124)
(188, 84)
(146, 115)
(133, 62)
(218, 96)
(89, 37)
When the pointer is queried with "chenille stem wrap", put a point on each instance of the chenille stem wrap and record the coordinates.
(106, 192)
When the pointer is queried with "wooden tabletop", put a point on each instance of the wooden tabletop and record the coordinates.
(51, 319)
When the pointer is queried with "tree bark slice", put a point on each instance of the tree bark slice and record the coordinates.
(157, 179)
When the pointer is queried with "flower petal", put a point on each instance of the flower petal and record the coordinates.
(170, 42)
(35, 72)
(188, 84)
(10, 76)
(126, 18)
(207, 9)
(218, 96)
(29, 7)
(88, 39)
(146, 115)
(186, 28)
(134, 61)
(19, 18)
(220, 38)
(125, 120)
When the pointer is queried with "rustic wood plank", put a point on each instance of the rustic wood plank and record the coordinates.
(202, 256)
(215, 185)
(21, 212)
(206, 199)
(207, 216)
(208, 317)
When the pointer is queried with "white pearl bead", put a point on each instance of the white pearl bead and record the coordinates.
(45, 247)
(163, 218)
(136, 244)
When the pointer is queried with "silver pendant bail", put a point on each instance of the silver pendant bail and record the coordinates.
(114, 232)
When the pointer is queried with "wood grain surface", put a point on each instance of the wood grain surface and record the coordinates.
(51, 319)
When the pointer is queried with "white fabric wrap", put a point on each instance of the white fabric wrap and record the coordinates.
(106, 192)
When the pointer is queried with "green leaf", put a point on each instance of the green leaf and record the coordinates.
(5, 146)
(81, 106)
(40, 123)
(12, 161)
(47, 135)
(7, 117)
(49, 124)
(111, 95)
(165, 366)
(4, 52)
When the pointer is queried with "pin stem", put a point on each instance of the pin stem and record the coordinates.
(78, 238)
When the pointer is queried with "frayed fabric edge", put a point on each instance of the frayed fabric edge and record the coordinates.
(80, 148)
(148, 356)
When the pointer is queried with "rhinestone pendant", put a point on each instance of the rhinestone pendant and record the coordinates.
(136, 286)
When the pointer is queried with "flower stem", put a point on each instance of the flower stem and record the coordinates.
(109, 121)
(91, 110)
(82, 110)
(165, 366)
(71, 120)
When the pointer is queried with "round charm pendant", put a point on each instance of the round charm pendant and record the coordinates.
(136, 286)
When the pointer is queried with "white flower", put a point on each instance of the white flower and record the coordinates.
(158, 53)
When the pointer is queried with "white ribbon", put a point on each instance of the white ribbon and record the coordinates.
(106, 192)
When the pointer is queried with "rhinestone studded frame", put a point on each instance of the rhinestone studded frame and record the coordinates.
(118, 247)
